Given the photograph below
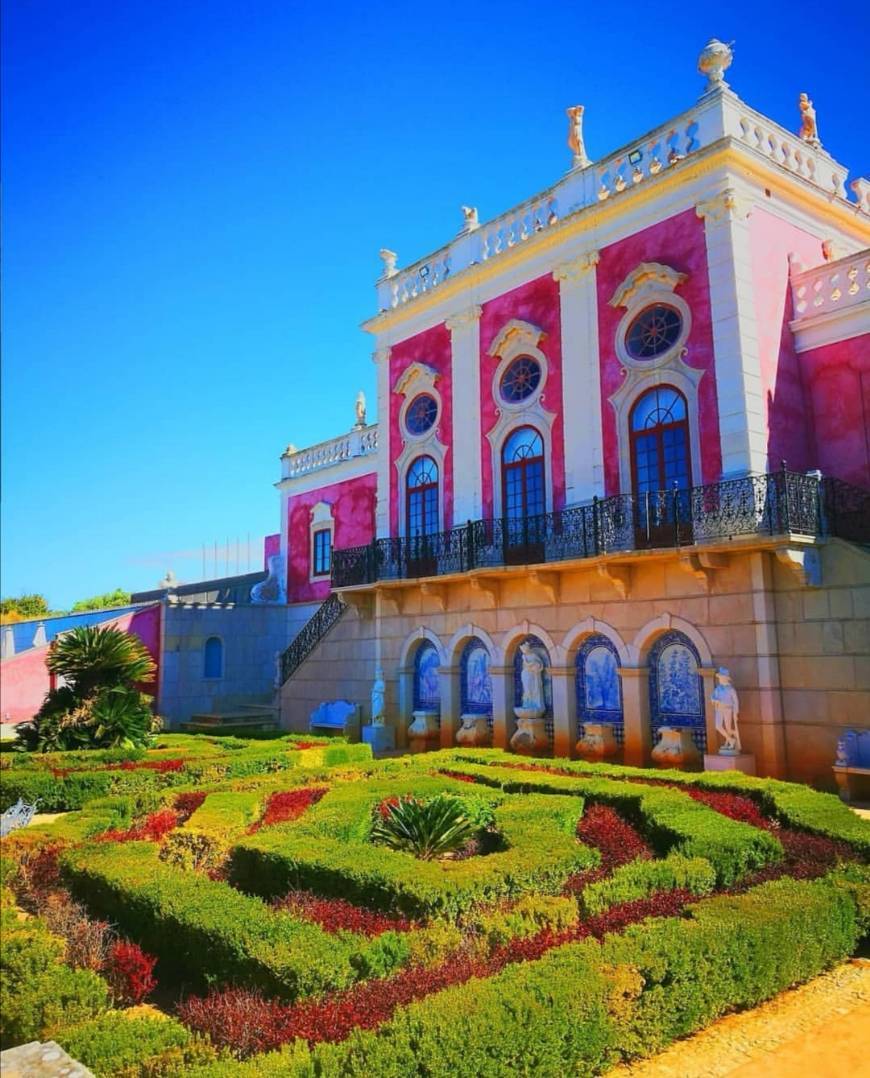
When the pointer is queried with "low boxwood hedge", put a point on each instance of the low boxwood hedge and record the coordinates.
(130, 1044)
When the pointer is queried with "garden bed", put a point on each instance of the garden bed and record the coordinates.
(302, 914)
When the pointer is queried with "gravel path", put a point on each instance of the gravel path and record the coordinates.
(820, 1030)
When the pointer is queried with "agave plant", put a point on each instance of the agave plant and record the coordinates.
(427, 828)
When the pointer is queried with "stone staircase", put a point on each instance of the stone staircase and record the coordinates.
(244, 718)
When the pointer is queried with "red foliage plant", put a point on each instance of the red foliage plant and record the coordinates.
(286, 805)
(152, 829)
(732, 805)
(306, 745)
(337, 915)
(247, 1023)
(459, 775)
(130, 972)
(186, 804)
(615, 839)
(162, 766)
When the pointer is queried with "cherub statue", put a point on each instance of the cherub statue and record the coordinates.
(575, 135)
(809, 131)
(360, 408)
(469, 213)
(389, 260)
(727, 709)
(379, 690)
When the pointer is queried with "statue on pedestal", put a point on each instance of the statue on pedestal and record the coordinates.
(470, 219)
(360, 409)
(379, 690)
(532, 678)
(809, 131)
(727, 709)
(575, 136)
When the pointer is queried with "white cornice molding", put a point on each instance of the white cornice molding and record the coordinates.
(831, 327)
(381, 355)
(465, 318)
(647, 277)
(729, 204)
(577, 268)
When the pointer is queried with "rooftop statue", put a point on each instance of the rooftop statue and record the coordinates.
(360, 408)
(388, 258)
(575, 136)
(471, 221)
(809, 131)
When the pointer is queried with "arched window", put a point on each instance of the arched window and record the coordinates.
(660, 464)
(476, 680)
(597, 684)
(540, 648)
(213, 658)
(427, 689)
(522, 459)
(676, 692)
(421, 498)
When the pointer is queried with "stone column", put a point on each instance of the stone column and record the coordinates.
(502, 705)
(581, 377)
(635, 710)
(708, 684)
(405, 694)
(739, 390)
(465, 358)
(451, 705)
(564, 727)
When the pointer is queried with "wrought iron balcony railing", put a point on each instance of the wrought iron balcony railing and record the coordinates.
(782, 503)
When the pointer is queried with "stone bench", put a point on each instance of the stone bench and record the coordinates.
(338, 716)
(852, 766)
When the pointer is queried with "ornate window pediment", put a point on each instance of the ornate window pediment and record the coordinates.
(515, 338)
(415, 378)
(649, 279)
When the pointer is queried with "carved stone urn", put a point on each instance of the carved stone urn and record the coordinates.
(473, 732)
(714, 61)
(598, 742)
(424, 732)
(530, 737)
(676, 748)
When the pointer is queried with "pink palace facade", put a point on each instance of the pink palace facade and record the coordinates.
(628, 422)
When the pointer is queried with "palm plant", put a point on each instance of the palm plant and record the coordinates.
(427, 828)
(98, 705)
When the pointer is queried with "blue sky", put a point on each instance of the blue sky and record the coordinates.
(195, 195)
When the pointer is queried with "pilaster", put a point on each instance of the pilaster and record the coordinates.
(564, 736)
(467, 480)
(739, 389)
(502, 722)
(581, 377)
(382, 513)
(448, 684)
(635, 711)
(771, 751)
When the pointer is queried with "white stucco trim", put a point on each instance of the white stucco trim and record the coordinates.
(649, 633)
(461, 637)
(412, 642)
(578, 633)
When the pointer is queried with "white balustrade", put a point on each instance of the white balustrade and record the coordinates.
(717, 116)
(832, 286)
(357, 443)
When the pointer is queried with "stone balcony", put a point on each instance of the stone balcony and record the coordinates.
(359, 442)
(719, 118)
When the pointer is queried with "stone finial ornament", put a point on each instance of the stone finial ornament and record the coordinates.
(575, 135)
(470, 219)
(389, 260)
(809, 131)
(169, 581)
(379, 692)
(360, 409)
(714, 61)
(726, 707)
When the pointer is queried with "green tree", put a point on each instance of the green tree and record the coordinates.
(23, 607)
(108, 599)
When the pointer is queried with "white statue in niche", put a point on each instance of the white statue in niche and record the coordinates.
(379, 690)
(726, 706)
(532, 679)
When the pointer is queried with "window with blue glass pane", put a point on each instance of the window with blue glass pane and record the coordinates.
(421, 414)
(523, 474)
(655, 330)
(520, 380)
(213, 657)
(322, 552)
(421, 505)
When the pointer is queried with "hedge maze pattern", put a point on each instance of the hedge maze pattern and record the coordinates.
(599, 913)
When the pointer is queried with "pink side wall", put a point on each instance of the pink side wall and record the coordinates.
(678, 242)
(837, 381)
(353, 507)
(271, 546)
(432, 347)
(536, 302)
(24, 679)
(790, 435)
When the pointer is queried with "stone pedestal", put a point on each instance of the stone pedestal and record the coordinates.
(676, 748)
(424, 733)
(381, 738)
(473, 732)
(530, 736)
(730, 761)
(598, 742)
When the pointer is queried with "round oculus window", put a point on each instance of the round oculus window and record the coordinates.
(421, 414)
(520, 380)
(654, 331)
